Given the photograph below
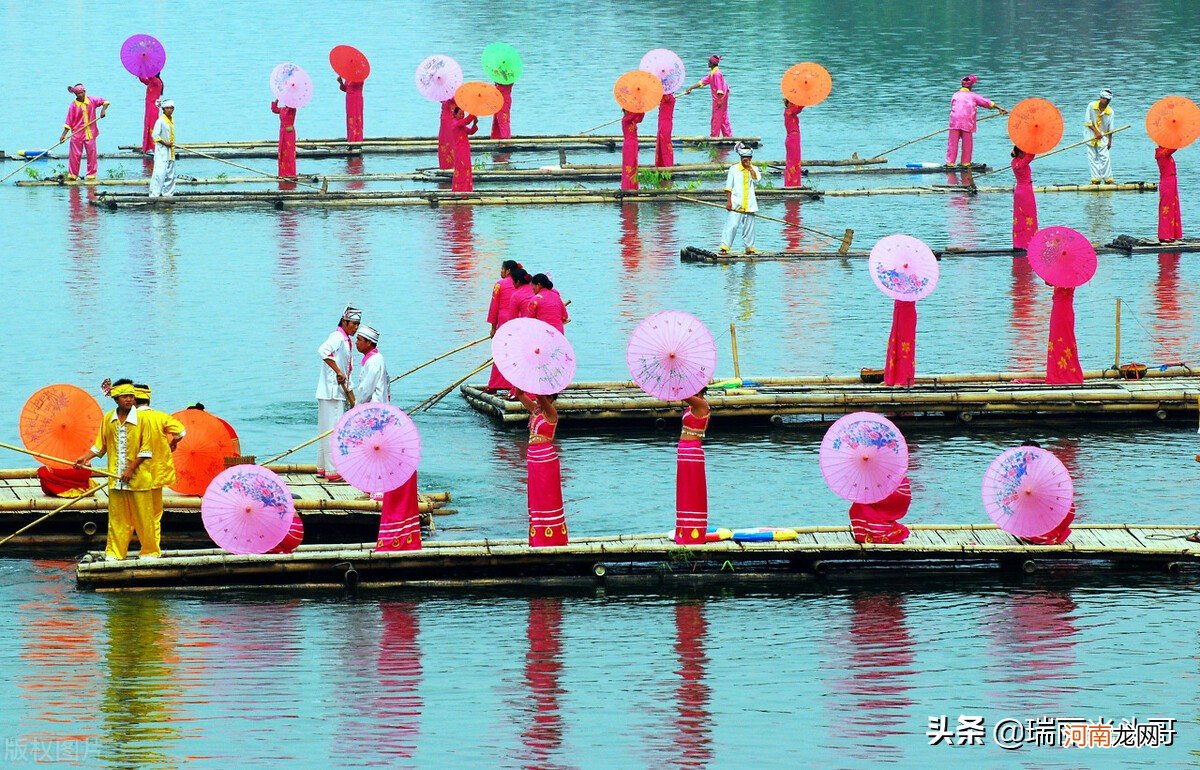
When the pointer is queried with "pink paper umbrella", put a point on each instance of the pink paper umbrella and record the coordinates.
(671, 355)
(1061, 257)
(143, 56)
(247, 509)
(1027, 491)
(863, 457)
(533, 356)
(291, 85)
(375, 447)
(667, 65)
(438, 77)
(903, 268)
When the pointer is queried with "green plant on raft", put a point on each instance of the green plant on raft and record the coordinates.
(222, 176)
(59, 170)
(652, 177)
(32, 173)
(116, 173)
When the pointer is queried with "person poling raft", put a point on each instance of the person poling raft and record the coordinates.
(83, 124)
(963, 107)
(715, 82)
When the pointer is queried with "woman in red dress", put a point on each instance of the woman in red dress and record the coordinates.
(499, 313)
(446, 136)
(880, 522)
(664, 151)
(792, 173)
(354, 108)
(629, 149)
(547, 522)
(1025, 220)
(1170, 221)
(1062, 352)
(464, 126)
(287, 139)
(691, 484)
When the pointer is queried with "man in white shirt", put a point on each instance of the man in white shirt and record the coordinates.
(740, 200)
(333, 384)
(373, 382)
(1099, 122)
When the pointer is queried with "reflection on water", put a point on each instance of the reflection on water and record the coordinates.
(1030, 319)
(693, 722)
(1034, 636)
(542, 733)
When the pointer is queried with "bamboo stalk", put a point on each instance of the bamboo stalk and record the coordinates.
(91, 491)
(1060, 149)
(43, 154)
(1117, 334)
(430, 402)
(323, 189)
(737, 367)
(178, 503)
(602, 125)
(928, 136)
(39, 455)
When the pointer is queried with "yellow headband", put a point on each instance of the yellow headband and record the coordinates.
(122, 390)
(142, 393)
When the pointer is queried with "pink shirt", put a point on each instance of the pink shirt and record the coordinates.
(499, 311)
(81, 128)
(715, 82)
(548, 306)
(519, 301)
(962, 109)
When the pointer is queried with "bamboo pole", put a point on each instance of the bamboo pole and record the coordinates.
(1117, 341)
(430, 402)
(737, 367)
(1060, 149)
(439, 358)
(39, 455)
(294, 180)
(927, 136)
(42, 154)
(845, 238)
(91, 491)
(602, 125)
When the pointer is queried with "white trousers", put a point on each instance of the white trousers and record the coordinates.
(329, 411)
(162, 181)
(1100, 161)
(738, 221)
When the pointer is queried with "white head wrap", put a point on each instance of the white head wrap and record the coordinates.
(351, 313)
(1106, 93)
(165, 103)
(743, 151)
(369, 333)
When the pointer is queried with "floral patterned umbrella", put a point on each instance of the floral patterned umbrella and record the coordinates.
(247, 509)
(376, 447)
(863, 457)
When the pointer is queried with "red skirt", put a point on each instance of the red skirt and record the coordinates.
(691, 493)
(900, 368)
(1062, 354)
(294, 537)
(547, 522)
(400, 520)
(497, 381)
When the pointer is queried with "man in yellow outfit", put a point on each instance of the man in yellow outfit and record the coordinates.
(127, 446)
(163, 432)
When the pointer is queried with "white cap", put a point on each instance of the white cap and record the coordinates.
(1106, 93)
(165, 103)
(743, 151)
(351, 313)
(368, 333)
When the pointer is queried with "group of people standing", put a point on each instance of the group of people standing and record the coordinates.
(138, 442)
(337, 388)
(520, 295)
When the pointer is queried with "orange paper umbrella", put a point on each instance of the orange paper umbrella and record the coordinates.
(478, 98)
(1035, 125)
(60, 420)
(200, 457)
(1173, 122)
(638, 91)
(806, 84)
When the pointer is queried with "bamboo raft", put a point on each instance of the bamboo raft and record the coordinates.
(651, 558)
(1171, 392)
(1123, 245)
(280, 199)
(943, 189)
(332, 513)
(191, 181)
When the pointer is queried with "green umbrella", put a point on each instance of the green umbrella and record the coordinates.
(502, 63)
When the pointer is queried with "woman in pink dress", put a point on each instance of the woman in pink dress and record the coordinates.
(446, 136)
(547, 521)
(900, 367)
(1025, 222)
(792, 174)
(1059, 534)
(1062, 353)
(880, 522)
(691, 484)
(547, 304)
(1170, 221)
(502, 120)
(499, 312)
(629, 149)
(154, 89)
(715, 81)
(522, 295)
(962, 119)
(287, 138)
(464, 126)
(664, 151)
(354, 108)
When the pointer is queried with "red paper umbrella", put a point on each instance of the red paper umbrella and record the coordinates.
(638, 91)
(478, 98)
(350, 63)
(1173, 122)
(60, 420)
(1062, 257)
(1035, 125)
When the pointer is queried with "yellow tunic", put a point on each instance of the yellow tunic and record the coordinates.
(134, 441)
(160, 428)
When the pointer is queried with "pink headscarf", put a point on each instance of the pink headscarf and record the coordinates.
(76, 89)
(714, 60)
(970, 80)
